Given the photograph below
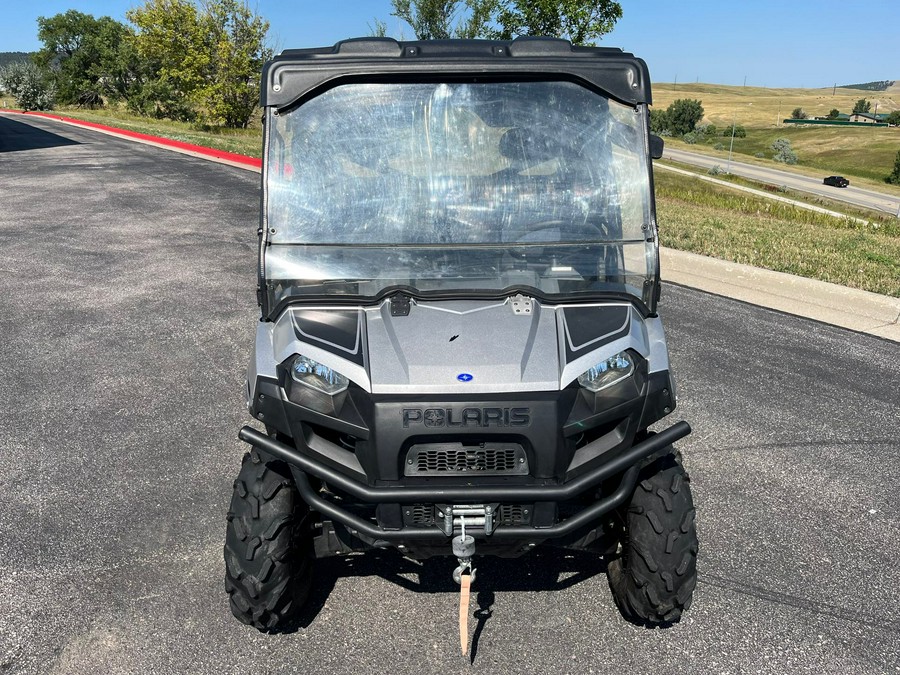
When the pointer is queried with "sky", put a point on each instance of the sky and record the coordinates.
(785, 43)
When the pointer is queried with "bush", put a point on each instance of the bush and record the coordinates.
(690, 138)
(27, 83)
(760, 155)
(739, 131)
(683, 115)
(783, 151)
(659, 122)
(894, 178)
(705, 130)
(716, 170)
(718, 146)
(798, 114)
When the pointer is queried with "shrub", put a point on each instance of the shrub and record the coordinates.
(759, 154)
(683, 115)
(659, 122)
(739, 131)
(718, 146)
(690, 138)
(783, 151)
(834, 114)
(894, 177)
(798, 114)
(27, 83)
(716, 170)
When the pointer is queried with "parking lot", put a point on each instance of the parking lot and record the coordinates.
(127, 311)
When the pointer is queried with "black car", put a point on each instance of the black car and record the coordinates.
(836, 181)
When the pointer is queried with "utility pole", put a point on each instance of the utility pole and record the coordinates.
(730, 149)
(675, 86)
(778, 116)
(834, 89)
(745, 81)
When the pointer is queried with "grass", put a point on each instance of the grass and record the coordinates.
(711, 220)
(242, 141)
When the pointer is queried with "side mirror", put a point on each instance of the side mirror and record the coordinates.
(656, 146)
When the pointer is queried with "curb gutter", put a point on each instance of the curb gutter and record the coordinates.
(851, 308)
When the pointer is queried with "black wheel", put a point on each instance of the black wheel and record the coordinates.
(268, 546)
(653, 578)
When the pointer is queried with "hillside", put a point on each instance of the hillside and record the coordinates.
(12, 57)
(765, 108)
(864, 155)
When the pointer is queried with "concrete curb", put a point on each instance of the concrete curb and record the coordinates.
(857, 310)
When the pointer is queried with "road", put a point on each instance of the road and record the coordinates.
(127, 312)
(869, 199)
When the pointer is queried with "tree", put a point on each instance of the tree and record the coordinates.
(444, 19)
(683, 115)
(894, 118)
(205, 60)
(583, 22)
(88, 58)
(580, 21)
(834, 114)
(862, 106)
(170, 40)
(798, 114)
(29, 85)
(894, 177)
(783, 151)
(237, 36)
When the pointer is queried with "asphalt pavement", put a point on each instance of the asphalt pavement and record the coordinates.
(127, 313)
(870, 199)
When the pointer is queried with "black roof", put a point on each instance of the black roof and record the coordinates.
(296, 72)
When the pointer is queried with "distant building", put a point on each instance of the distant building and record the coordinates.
(868, 118)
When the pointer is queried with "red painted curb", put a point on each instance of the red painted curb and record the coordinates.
(190, 147)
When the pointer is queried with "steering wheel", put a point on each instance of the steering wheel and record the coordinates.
(587, 229)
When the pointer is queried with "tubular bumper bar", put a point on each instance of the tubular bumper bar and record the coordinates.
(437, 494)
(626, 463)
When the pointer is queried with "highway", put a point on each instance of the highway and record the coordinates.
(869, 199)
(127, 312)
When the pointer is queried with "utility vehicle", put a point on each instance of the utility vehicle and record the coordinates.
(459, 351)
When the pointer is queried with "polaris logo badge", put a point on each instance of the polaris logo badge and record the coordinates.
(467, 417)
(465, 377)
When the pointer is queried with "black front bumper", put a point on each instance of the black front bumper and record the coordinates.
(626, 463)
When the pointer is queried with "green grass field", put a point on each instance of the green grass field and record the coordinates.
(716, 221)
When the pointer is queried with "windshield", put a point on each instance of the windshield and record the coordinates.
(458, 187)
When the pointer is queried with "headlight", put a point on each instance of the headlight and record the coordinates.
(314, 375)
(607, 373)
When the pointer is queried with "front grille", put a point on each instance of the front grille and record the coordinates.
(487, 459)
